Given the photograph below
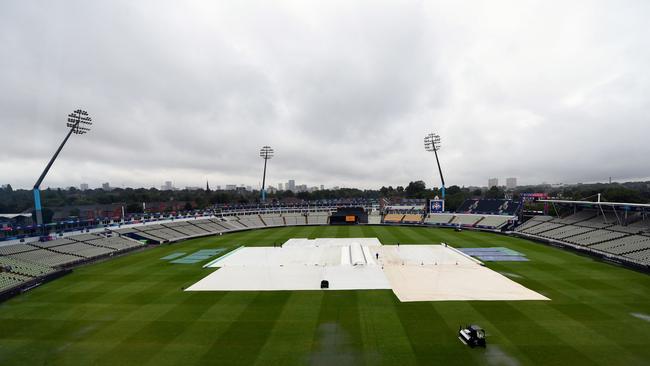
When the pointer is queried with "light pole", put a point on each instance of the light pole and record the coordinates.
(266, 153)
(432, 144)
(79, 123)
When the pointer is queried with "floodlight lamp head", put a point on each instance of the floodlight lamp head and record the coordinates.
(79, 122)
(432, 142)
(266, 152)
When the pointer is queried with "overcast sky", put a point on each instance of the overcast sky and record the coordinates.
(344, 91)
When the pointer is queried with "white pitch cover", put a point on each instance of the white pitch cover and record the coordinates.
(414, 272)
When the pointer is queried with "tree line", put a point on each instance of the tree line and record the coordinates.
(21, 200)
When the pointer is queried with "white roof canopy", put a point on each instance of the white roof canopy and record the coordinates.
(611, 204)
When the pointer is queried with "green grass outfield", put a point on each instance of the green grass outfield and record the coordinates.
(131, 311)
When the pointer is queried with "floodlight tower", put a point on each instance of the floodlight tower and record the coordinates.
(432, 144)
(266, 153)
(79, 123)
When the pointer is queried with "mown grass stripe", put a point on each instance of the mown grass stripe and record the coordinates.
(530, 334)
(248, 333)
(432, 341)
(290, 340)
(338, 340)
(384, 338)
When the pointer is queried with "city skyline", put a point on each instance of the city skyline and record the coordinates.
(308, 187)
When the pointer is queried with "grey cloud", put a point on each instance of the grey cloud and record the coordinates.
(344, 92)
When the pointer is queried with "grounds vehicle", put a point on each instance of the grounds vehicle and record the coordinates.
(472, 335)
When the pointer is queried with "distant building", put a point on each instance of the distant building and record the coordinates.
(106, 186)
(493, 182)
(300, 188)
(291, 185)
(511, 183)
(322, 187)
(231, 187)
(167, 186)
(83, 186)
(280, 187)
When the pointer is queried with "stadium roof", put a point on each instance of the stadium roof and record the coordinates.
(640, 205)
(11, 216)
(405, 207)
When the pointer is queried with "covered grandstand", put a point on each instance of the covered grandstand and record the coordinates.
(615, 231)
(23, 263)
(490, 206)
(491, 214)
(404, 214)
(12, 230)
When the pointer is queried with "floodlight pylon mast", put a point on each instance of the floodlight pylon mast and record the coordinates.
(266, 153)
(432, 143)
(79, 123)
